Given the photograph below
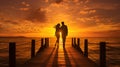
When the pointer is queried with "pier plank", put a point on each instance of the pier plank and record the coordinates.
(59, 57)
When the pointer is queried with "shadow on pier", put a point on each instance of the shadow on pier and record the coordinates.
(59, 57)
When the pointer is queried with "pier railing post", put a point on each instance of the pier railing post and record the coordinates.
(42, 42)
(46, 42)
(102, 54)
(86, 48)
(12, 54)
(33, 48)
(78, 42)
(72, 42)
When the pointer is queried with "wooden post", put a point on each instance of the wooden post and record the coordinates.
(102, 54)
(12, 54)
(46, 42)
(86, 48)
(72, 42)
(42, 42)
(33, 48)
(78, 42)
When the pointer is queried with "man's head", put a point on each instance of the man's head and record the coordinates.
(62, 23)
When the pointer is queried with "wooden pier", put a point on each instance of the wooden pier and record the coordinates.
(58, 56)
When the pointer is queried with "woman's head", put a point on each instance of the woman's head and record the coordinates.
(58, 25)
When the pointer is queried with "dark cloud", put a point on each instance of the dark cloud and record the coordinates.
(37, 15)
(6, 25)
(112, 15)
(55, 1)
(105, 8)
(4, 29)
(104, 1)
(0, 26)
(19, 9)
(6, 21)
(58, 1)
(11, 22)
(116, 26)
(13, 2)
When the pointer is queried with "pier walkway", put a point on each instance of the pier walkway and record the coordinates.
(59, 57)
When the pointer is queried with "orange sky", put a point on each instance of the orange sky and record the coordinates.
(36, 18)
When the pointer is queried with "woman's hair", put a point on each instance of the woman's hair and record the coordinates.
(57, 25)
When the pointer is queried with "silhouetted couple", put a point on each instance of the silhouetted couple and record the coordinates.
(64, 31)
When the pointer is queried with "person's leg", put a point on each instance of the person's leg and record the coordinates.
(57, 40)
(64, 39)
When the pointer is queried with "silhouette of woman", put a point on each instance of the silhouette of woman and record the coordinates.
(57, 33)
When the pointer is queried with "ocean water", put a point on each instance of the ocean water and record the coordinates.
(24, 45)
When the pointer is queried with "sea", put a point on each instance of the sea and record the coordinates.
(23, 48)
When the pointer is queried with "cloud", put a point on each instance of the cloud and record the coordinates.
(24, 9)
(104, 1)
(11, 22)
(103, 4)
(107, 15)
(24, 27)
(58, 1)
(7, 21)
(46, 1)
(37, 15)
(25, 4)
(7, 25)
(55, 1)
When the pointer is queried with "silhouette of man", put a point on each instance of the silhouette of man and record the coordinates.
(64, 31)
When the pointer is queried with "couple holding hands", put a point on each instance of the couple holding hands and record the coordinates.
(64, 32)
